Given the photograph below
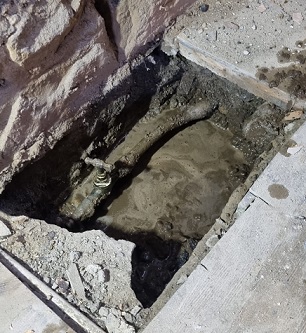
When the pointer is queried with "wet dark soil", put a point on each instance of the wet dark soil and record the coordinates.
(158, 84)
(289, 78)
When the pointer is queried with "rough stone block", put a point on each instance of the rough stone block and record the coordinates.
(135, 23)
(43, 75)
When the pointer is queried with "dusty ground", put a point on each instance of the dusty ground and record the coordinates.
(90, 269)
(105, 292)
(238, 33)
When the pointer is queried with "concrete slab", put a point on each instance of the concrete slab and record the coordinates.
(245, 42)
(21, 311)
(253, 280)
(281, 184)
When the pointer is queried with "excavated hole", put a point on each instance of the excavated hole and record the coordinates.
(177, 190)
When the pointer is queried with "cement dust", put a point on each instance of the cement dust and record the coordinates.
(182, 189)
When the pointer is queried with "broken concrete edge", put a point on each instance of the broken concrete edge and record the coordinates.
(238, 76)
(239, 202)
(228, 44)
(248, 270)
(4, 230)
(51, 298)
(281, 209)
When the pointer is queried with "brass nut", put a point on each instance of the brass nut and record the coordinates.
(102, 180)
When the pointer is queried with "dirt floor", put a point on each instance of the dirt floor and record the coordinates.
(116, 264)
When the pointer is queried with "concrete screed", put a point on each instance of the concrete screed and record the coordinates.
(253, 280)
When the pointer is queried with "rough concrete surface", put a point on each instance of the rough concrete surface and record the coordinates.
(254, 44)
(251, 281)
(284, 189)
(22, 311)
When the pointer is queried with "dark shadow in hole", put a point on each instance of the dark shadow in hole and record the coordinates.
(154, 261)
(126, 182)
(41, 187)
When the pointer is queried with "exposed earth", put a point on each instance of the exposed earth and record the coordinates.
(154, 219)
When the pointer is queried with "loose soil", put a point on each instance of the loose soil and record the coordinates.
(153, 219)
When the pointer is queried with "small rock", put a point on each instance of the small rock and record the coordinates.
(128, 317)
(54, 285)
(92, 269)
(70, 298)
(74, 256)
(212, 241)
(115, 324)
(105, 220)
(101, 276)
(293, 115)
(297, 18)
(288, 128)
(182, 279)
(112, 323)
(92, 306)
(261, 8)
(135, 310)
(63, 284)
(46, 279)
(4, 230)
(204, 8)
(103, 312)
(232, 25)
(115, 312)
(246, 52)
(51, 235)
(294, 150)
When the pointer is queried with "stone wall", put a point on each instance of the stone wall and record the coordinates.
(54, 58)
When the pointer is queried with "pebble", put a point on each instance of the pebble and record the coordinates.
(212, 241)
(103, 312)
(74, 256)
(46, 279)
(182, 279)
(204, 8)
(63, 284)
(54, 285)
(4, 230)
(245, 52)
(92, 269)
(135, 310)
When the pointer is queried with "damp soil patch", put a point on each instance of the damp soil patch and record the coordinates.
(162, 209)
(290, 75)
